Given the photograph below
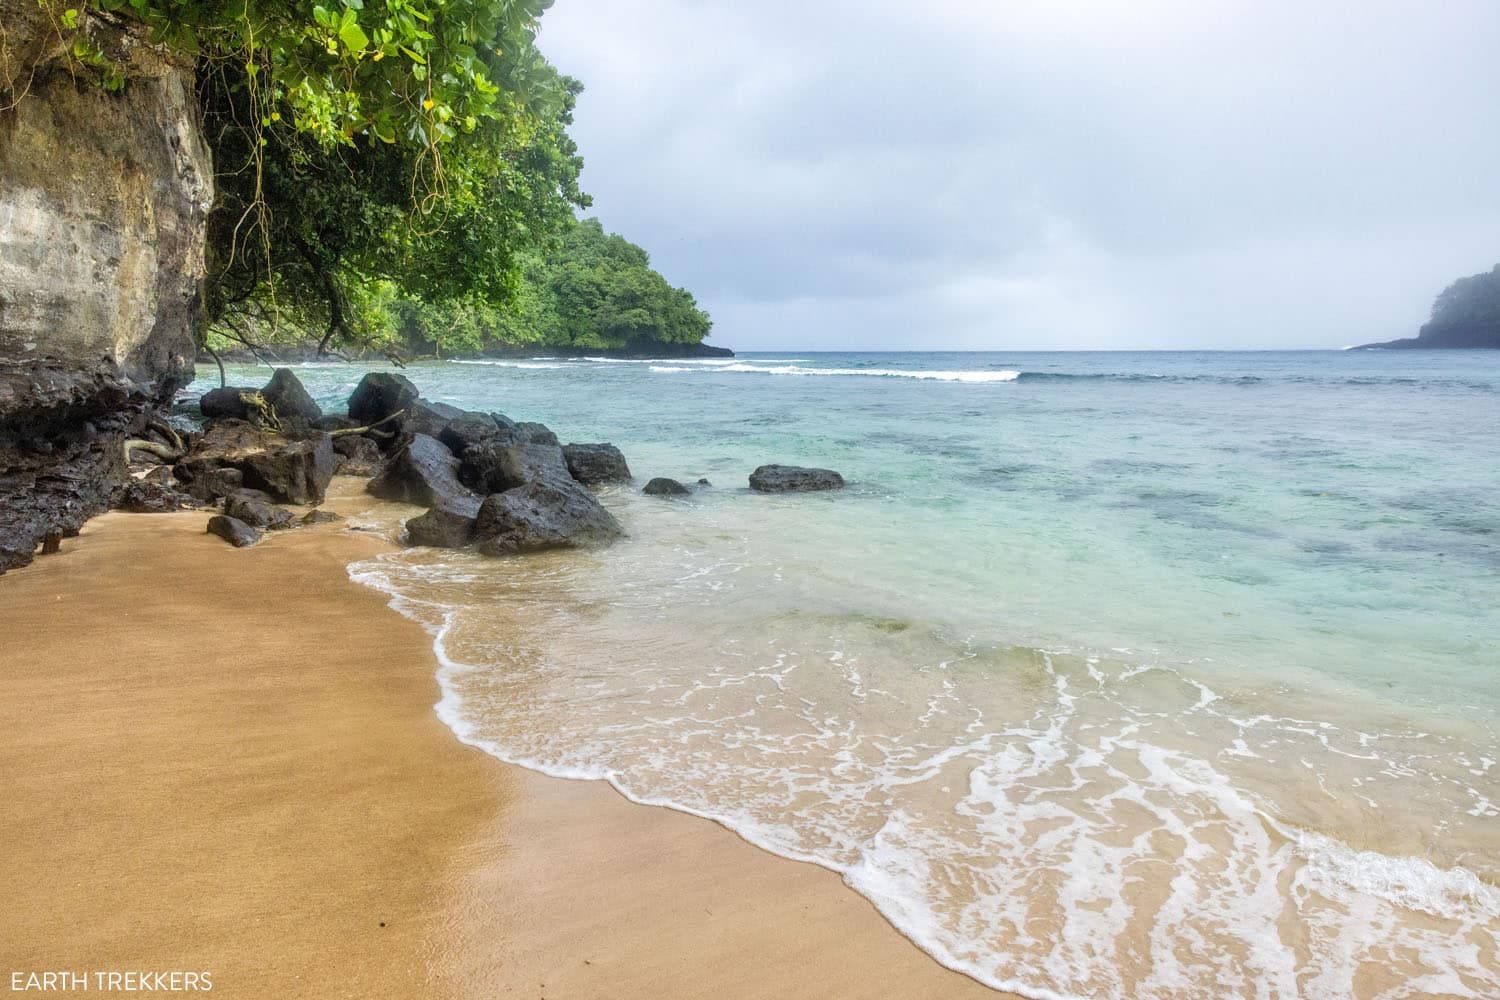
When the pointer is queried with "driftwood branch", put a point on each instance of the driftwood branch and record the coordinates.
(370, 428)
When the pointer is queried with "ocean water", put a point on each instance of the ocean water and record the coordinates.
(1110, 675)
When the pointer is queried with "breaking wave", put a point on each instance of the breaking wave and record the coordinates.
(1060, 825)
(788, 369)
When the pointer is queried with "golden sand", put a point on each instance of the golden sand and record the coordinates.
(226, 761)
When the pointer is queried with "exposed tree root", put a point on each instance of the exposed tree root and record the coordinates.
(167, 431)
(164, 452)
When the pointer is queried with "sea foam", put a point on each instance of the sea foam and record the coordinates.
(800, 370)
(1089, 848)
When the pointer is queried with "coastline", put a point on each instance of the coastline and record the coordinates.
(227, 761)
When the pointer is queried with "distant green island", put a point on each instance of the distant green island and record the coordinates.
(1465, 315)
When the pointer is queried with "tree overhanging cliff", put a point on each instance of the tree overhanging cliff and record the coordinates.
(365, 150)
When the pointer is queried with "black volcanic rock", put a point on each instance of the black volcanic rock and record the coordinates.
(422, 471)
(289, 398)
(540, 516)
(500, 464)
(591, 464)
(536, 433)
(233, 530)
(448, 525)
(291, 470)
(257, 512)
(794, 479)
(148, 497)
(334, 422)
(424, 416)
(472, 429)
(1465, 316)
(62, 432)
(661, 486)
(295, 472)
(226, 402)
(357, 455)
(378, 395)
(206, 481)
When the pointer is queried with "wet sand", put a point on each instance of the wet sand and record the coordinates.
(226, 761)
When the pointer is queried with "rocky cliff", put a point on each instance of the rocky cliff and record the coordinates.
(1465, 315)
(103, 197)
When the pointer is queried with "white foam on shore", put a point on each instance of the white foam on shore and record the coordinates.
(799, 370)
(1064, 811)
(499, 363)
(761, 366)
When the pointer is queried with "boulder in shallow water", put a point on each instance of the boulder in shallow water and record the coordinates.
(378, 395)
(422, 472)
(501, 464)
(449, 525)
(540, 516)
(289, 398)
(661, 486)
(592, 464)
(321, 517)
(794, 479)
(233, 530)
(257, 512)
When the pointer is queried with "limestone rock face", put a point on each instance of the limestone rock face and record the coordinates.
(103, 202)
(103, 199)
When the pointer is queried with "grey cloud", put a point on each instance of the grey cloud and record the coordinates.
(1073, 174)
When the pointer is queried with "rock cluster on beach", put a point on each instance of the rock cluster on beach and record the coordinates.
(489, 483)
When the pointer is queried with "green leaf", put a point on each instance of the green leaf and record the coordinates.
(352, 34)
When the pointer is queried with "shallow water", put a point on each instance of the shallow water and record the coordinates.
(1110, 675)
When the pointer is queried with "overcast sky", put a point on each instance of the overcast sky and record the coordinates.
(1044, 173)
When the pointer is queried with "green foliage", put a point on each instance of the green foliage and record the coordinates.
(593, 290)
(419, 143)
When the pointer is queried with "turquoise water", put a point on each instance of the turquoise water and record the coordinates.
(1109, 675)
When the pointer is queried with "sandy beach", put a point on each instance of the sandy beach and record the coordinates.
(226, 761)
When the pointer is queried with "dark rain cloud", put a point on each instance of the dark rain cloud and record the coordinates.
(1044, 173)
